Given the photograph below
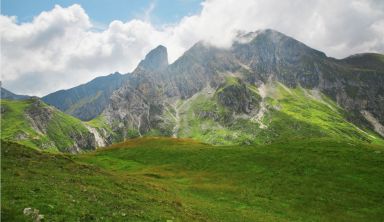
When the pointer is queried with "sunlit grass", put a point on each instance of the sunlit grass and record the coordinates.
(159, 179)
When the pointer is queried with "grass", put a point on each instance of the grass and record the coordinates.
(206, 129)
(60, 128)
(160, 179)
(14, 124)
(320, 117)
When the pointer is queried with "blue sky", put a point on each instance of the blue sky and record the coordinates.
(104, 11)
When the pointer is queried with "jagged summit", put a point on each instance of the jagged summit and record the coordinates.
(156, 59)
(271, 43)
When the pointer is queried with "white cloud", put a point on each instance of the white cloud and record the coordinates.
(61, 49)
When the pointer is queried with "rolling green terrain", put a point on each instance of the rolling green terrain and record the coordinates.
(162, 179)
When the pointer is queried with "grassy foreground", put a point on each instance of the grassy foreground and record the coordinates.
(158, 179)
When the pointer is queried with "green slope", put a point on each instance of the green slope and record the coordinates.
(157, 179)
(58, 131)
(288, 113)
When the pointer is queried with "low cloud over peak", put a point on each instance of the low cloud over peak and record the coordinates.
(60, 48)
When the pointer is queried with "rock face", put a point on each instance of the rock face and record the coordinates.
(287, 60)
(142, 104)
(39, 116)
(136, 107)
(99, 139)
(238, 97)
(375, 123)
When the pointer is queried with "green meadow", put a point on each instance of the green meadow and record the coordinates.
(163, 179)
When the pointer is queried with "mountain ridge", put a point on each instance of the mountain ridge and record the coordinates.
(266, 87)
(87, 100)
(269, 57)
(6, 94)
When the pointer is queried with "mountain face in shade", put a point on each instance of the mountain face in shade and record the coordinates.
(86, 101)
(365, 61)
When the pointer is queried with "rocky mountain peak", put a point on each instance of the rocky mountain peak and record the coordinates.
(156, 59)
(225, 84)
(270, 42)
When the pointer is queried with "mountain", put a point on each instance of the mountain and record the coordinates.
(6, 94)
(266, 87)
(33, 123)
(86, 101)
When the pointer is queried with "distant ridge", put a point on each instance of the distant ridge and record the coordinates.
(88, 100)
(6, 94)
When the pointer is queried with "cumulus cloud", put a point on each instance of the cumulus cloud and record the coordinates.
(61, 48)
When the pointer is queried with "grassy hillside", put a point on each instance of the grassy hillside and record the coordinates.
(37, 125)
(158, 179)
(283, 113)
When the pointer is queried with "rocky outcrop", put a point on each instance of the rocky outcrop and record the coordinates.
(99, 139)
(237, 97)
(377, 126)
(39, 116)
(81, 142)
